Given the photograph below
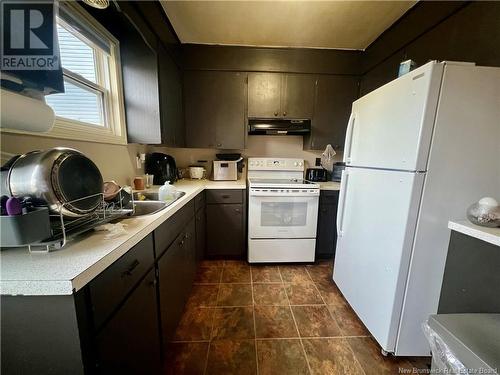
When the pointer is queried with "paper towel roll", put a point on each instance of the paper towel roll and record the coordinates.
(20, 112)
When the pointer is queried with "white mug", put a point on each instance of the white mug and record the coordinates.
(197, 173)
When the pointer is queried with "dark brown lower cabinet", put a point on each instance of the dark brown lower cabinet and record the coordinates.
(116, 323)
(176, 267)
(326, 236)
(130, 342)
(201, 233)
(225, 230)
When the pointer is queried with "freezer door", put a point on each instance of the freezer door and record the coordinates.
(377, 218)
(391, 127)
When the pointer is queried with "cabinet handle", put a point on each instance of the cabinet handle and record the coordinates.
(284, 113)
(276, 113)
(237, 210)
(153, 283)
(219, 144)
(131, 268)
(181, 243)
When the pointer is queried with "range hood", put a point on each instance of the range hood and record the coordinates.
(278, 127)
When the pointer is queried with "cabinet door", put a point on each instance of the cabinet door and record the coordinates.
(201, 233)
(172, 121)
(225, 230)
(140, 88)
(230, 114)
(176, 273)
(130, 343)
(215, 109)
(264, 95)
(298, 96)
(326, 238)
(334, 98)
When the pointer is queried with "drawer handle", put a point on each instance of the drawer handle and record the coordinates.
(225, 196)
(131, 268)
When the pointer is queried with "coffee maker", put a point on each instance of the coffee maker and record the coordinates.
(162, 167)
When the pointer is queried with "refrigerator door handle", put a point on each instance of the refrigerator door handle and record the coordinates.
(342, 195)
(348, 139)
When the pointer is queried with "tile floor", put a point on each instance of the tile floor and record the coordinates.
(288, 319)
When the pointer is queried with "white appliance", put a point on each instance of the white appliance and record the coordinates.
(226, 170)
(419, 150)
(282, 211)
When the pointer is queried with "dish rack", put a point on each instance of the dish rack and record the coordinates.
(64, 229)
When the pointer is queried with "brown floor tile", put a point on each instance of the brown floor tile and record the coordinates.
(294, 274)
(235, 295)
(269, 294)
(320, 273)
(331, 356)
(315, 321)
(186, 358)
(236, 272)
(367, 352)
(208, 275)
(281, 357)
(203, 295)
(420, 363)
(195, 324)
(303, 294)
(232, 357)
(233, 323)
(266, 274)
(212, 263)
(274, 322)
(348, 321)
(330, 293)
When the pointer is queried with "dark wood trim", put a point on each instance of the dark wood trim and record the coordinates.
(260, 59)
(416, 22)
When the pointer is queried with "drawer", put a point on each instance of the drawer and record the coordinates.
(199, 201)
(112, 285)
(166, 232)
(224, 196)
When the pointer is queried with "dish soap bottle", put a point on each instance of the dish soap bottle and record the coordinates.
(166, 192)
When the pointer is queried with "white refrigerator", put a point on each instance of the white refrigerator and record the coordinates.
(419, 150)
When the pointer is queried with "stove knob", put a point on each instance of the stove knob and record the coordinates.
(295, 164)
(300, 164)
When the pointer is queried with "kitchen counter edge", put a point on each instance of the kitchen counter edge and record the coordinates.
(490, 235)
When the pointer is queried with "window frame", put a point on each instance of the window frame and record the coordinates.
(114, 130)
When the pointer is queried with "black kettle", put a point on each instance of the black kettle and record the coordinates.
(162, 167)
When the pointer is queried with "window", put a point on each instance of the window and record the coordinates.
(91, 108)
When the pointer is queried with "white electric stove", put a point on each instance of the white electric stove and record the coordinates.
(282, 213)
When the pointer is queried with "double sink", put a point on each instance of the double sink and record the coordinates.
(149, 203)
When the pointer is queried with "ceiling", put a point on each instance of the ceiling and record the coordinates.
(301, 24)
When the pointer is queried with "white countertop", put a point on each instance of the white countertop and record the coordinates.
(67, 270)
(491, 235)
(329, 185)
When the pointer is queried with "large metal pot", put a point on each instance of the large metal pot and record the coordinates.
(56, 177)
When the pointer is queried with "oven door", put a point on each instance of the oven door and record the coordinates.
(283, 215)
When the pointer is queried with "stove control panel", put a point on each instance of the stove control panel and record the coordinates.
(275, 164)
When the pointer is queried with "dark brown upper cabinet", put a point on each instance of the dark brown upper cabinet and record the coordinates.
(140, 87)
(215, 109)
(333, 102)
(281, 95)
(264, 95)
(171, 115)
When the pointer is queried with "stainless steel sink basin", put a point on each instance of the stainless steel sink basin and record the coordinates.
(148, 203)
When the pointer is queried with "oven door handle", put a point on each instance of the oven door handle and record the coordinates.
(283, 195)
